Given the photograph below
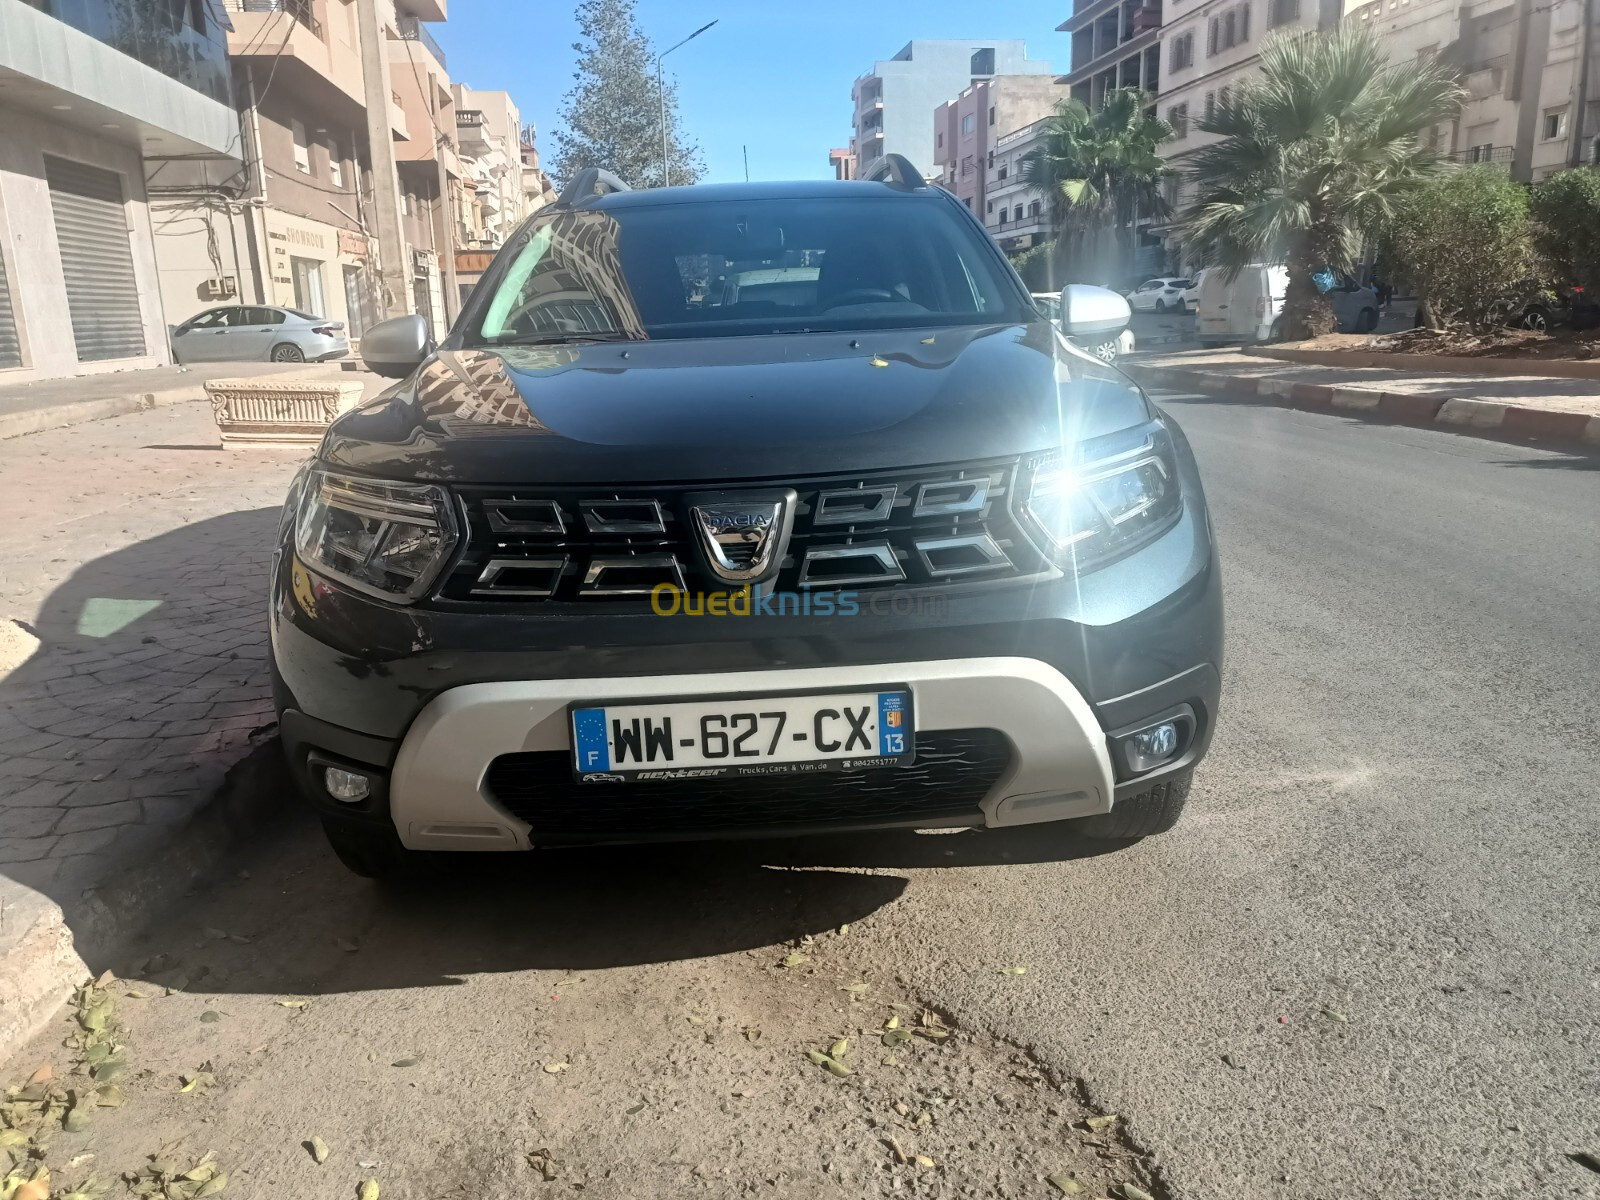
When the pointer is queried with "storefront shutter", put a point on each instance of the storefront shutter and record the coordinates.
(10, 349)
(92, 233)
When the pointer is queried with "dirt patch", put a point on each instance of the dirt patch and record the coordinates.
(1576, 345)
(297, 1004)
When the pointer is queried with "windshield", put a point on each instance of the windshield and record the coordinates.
(726, 268)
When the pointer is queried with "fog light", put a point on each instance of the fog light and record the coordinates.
(348, 786)
(1149, 748)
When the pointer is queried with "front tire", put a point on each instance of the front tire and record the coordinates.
(1153, 811)
(1366, 321)
(288, 352)
(371, 851)
(1107, 352)
(1161, 308)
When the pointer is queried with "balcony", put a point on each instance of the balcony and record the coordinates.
(1499, 155)
(412, 30)
(471, 131)
(285, 35)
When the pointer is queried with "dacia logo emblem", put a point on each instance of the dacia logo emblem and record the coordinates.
(743, 536)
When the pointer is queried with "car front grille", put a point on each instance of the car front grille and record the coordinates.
(902, 529)
(952, 772)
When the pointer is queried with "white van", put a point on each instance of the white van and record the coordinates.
(1248, 308)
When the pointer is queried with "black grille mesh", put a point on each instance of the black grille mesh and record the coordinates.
(953, 771)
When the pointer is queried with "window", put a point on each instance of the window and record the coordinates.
(1182, 54)
(966, 166)
(991, 206)
(1282, 12)
(302, 148)
(405, 203)
(991, 114)
(941, 141)
(968, 203)
(991, 160)
(335, 165)
(1035, 209)
(197, 15)
(1228, 30)
(1222, 95)
(723, 268)
(983, 61)
(1178, 118)
(1555, 124)
(307, 274)
(968, 123)
(1211, 105)
(1481, 154)
(1004, 171)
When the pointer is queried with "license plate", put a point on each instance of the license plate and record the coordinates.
(741, 736)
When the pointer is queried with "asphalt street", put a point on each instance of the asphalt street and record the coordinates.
(1366, 963)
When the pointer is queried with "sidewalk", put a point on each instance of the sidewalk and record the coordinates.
(1537, 406)
(52, 403)
(132, 673)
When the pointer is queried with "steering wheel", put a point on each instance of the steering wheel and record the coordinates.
(863, 296)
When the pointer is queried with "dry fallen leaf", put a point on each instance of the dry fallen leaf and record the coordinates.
(293, 1003)
(879, 362)
(1132, 1191)
(319, 1150)
(1014, 971)
(34, 1189)
(752, 1033)
(1336, 1015)
(43, 1075)
(1096, 1124)
(555, 1068)
(794, 960)
(404, 1062)
(840, 1048)
(893, 1022)
(369, 1190)
(694, 1020)
(837, 1067)
(1065, 1184)
(844, 929)
(210, 1017)
(922, 1160)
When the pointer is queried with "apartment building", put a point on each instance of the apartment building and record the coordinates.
(1016, 215)
(967, 128)
(843, 161)
(88, 92)
(893, 100)
(1115, 44)
(1522, 65)
(343, 197)
(489, 140)
(537, 190)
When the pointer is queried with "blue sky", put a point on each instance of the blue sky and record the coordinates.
(774, 74)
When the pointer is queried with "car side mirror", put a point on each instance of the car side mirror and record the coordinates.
(394, 347)
(1093, 312)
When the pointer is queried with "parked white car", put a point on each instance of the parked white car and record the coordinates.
(245, 332)
(1105, 349)
(1164, 294)
(1250, 307)
(1191, 294)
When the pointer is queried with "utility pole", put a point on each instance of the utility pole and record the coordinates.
(661, 96)
(747, 164)
(1580, 98)
(393, 270)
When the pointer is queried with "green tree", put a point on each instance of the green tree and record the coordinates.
(1100, 172)
(612, 115)
(1314, 155)
(1566, 226)
(1462, 239)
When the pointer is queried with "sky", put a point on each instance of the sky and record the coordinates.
(773, 75)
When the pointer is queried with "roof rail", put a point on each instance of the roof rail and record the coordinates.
(896, 170)
(591, 181)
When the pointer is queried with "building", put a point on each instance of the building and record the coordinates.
(843, 161)
(1521, 66)
(1115, 44)
(893, 100)
(489, 139)
(1015, 214)
(89, 92)
(536, 187)
(967, 128)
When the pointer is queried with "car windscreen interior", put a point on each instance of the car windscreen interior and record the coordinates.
(747, 267)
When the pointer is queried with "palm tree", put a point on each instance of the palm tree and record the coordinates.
(1314, 154)
(1100, 170)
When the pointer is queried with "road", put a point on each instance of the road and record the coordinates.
(1365, 963)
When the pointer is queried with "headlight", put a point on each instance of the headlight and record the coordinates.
(386, 539)
(1104, 499)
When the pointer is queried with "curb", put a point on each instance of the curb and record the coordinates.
(1395, 408)
(48, 951)
(55, 416)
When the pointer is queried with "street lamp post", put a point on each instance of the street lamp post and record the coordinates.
(661, 94)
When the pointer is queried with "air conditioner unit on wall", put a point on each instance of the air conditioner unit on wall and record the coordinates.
(221, 287)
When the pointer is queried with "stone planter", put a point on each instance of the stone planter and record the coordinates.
(277, 411)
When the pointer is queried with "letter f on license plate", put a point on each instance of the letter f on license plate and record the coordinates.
(741, 736)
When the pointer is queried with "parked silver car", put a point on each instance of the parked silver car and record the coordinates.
(256, 333)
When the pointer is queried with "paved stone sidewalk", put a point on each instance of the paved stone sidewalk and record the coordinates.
(132, 666)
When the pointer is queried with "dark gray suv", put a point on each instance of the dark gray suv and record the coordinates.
(745, 509)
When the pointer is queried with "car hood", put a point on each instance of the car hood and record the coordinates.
(727, 409)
